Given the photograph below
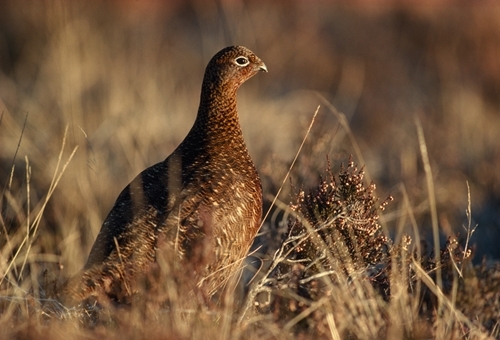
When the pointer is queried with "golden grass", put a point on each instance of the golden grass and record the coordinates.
(118, 88)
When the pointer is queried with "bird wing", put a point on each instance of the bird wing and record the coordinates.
(132, 223)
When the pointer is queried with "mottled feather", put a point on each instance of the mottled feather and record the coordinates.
(203, 202)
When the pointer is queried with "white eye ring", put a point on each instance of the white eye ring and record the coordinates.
(241, 61)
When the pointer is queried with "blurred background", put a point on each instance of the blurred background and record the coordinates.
(124, 78)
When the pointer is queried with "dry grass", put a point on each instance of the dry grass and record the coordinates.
(91, 93)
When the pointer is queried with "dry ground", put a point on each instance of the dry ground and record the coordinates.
(122, 79)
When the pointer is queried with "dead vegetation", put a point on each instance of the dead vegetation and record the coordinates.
(90, 94)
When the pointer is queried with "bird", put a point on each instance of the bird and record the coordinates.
(203, 203)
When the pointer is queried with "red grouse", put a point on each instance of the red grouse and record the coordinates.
(204, 202)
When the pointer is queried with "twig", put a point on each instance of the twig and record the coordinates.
(427, 280)
(36, 222)
(28, 207)
(121, 269)
(15, 153)
(302, 315)
(345, 124)
(291, 166)
(468, 212)
(432, 206)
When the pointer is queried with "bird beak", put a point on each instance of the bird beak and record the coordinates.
(262, 67)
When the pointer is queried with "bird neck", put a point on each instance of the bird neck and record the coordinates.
(218, 114)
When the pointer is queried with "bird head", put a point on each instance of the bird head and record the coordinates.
(232, 66)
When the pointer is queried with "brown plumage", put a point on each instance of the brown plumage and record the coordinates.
(204, 202)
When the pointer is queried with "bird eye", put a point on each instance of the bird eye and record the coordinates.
(241, 61)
